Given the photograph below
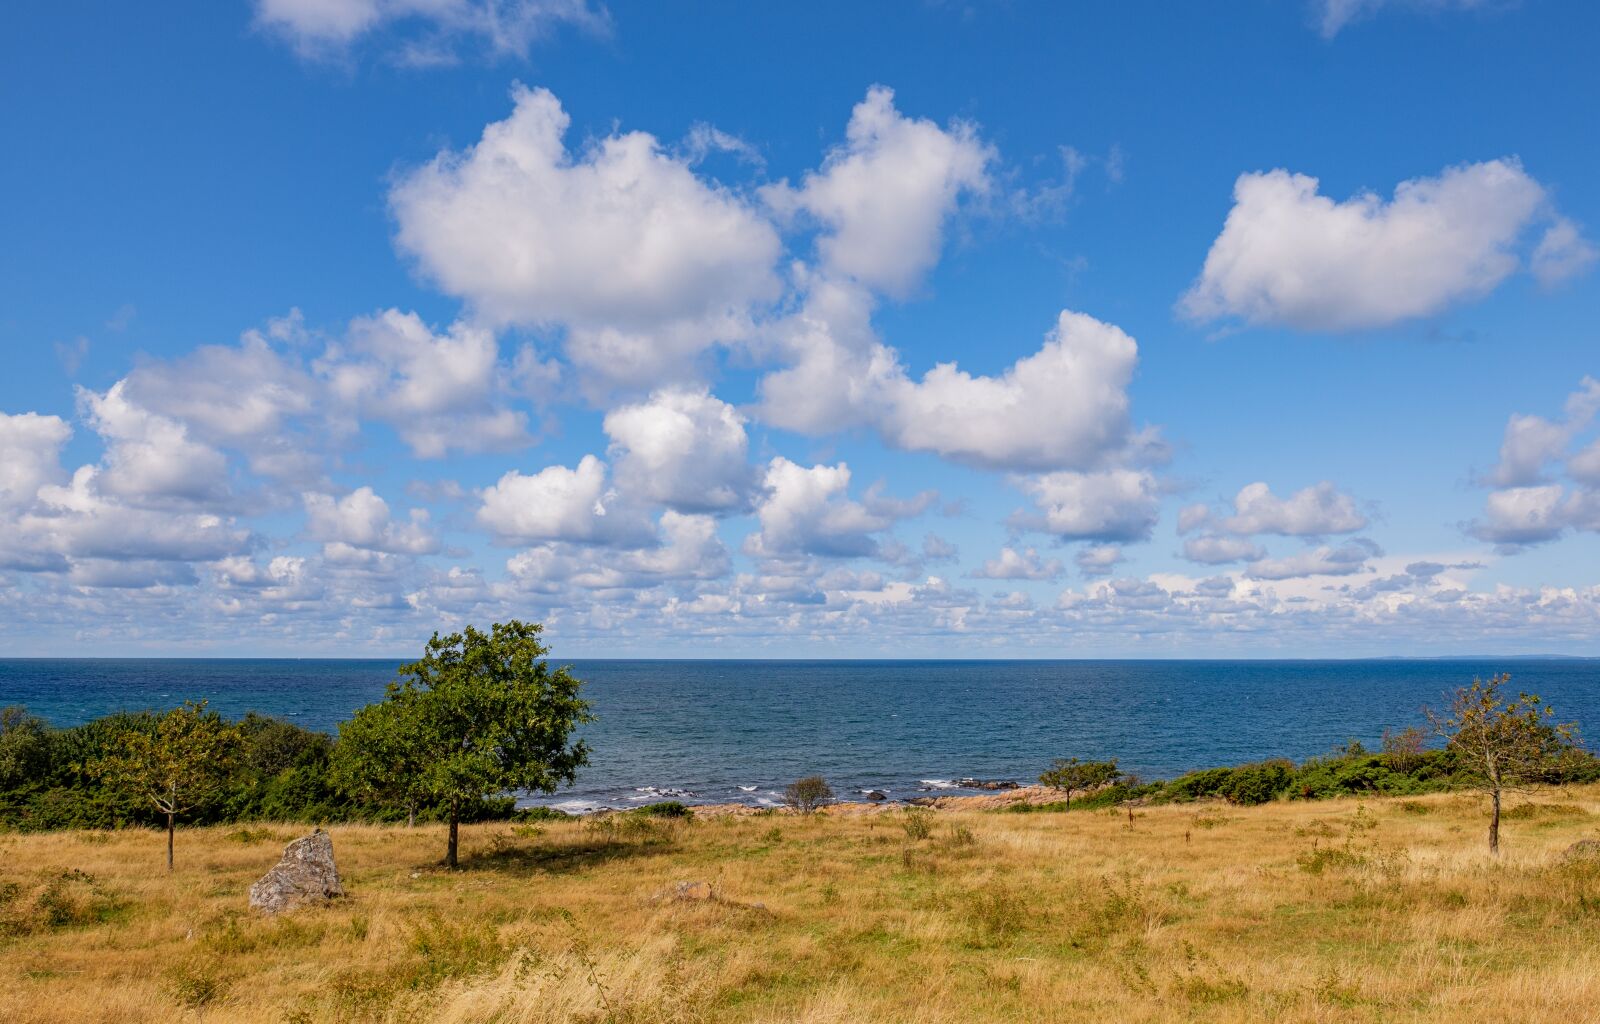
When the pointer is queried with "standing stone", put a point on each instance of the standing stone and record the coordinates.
(305, 875)
(1583, 849)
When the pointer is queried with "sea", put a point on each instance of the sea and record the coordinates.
(738, 731)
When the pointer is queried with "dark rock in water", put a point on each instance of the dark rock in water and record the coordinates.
(306, 875)
(876, 795)
(986, 784)
(1584, 849)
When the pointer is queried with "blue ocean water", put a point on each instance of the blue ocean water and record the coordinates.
(740, 730)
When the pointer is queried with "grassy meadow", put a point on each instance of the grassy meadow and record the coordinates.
(1339, 910)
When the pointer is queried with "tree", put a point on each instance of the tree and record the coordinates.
(807, 794)
(1403, 748)
(1502, 744)
(479, 714)
(377, 758)
(1069, 774)
(184, 761)
(24, 748)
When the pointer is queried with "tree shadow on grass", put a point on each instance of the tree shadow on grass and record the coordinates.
(536, 857)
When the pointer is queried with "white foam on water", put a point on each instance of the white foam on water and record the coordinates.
(580, 806)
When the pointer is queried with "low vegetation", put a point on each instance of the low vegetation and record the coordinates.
(1351, 909)
(1352, 887)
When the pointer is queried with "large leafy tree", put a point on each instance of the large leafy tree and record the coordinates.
(1502, 744)
(186, 759)
(478, 714)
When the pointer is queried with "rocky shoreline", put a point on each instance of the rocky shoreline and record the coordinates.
(1003, 795)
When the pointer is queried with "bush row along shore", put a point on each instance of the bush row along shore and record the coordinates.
(284, 776)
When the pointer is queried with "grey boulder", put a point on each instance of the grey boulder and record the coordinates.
(306, 875)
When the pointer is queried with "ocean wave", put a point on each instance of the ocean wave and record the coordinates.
(580, 806)
(644, 793)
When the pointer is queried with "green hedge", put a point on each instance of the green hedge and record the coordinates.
(283, 777)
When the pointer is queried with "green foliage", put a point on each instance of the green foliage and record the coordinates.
(1502, 743)
(24, 747)
(1072, 775)
(664, 809)
(180, 764)
(808, 794)
(184, 762)
(1251, 784)
(540, 814)
(1054, 806)
(1198, 785)
(480, 714)
(917, 822)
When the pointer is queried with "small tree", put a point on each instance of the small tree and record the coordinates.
(1403, 748)
(1501, 744)
(808, 794)
(478, 715)
(1070, 774)
(377, 758)
(184, 761)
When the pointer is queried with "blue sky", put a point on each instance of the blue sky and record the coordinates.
(1249, 329)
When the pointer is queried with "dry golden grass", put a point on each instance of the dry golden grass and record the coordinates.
(1386, 910)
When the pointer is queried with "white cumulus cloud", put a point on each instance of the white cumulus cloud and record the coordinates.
(30, 455)
(808, 511)
(1290, 256)
(1066, 406)
(362, 519)
(883, 196)
(1110, 505)
(1310, 512)
(1347, 559)
(682, 448)
(558, 503)
(1012, 564)
(621, 243)
(440, 392)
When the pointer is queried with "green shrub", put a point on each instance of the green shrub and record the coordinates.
(1197, 785)
(1023, 807)
(1256, 783)
(664, 809)
(540, 814)
(1319, 859)
(917, 822)
(808, 794)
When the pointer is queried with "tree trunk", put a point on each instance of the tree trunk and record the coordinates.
(169, 840)
(455, 837)
(411, 816)
(1494, 823)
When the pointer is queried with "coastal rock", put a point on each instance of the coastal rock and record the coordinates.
(876, 795)
(1583, 849)
(305, 875)
(986, 783)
